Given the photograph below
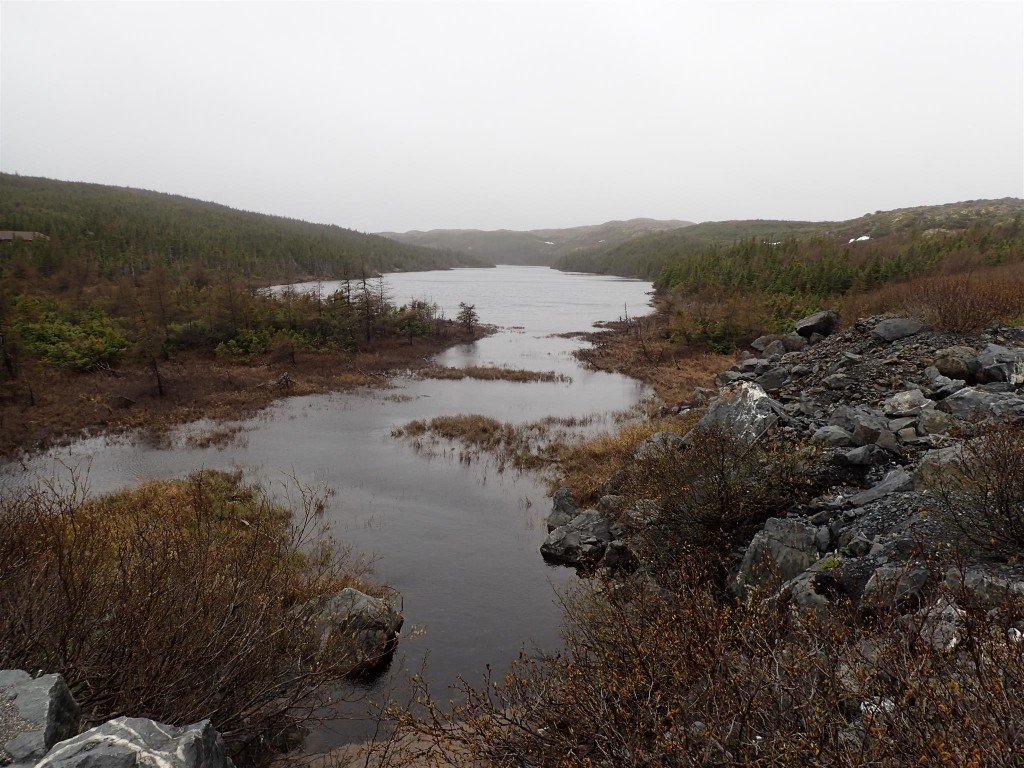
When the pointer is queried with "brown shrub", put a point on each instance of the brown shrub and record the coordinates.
(178, 601)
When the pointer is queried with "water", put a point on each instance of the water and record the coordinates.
(458, 541)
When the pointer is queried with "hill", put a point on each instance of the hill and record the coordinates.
(113, 230)
(537, 246)
(647, 256)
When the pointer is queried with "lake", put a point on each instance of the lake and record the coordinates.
(458, 540)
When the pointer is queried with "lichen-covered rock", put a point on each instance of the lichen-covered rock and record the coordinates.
(35, 714)
(658, 444)
(128, 742)
(745, 409)
(362, 627)
(782, 550)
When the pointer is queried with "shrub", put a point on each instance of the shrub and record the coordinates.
(714, 493)
(982, 494)
(83, 346)
(180, 600)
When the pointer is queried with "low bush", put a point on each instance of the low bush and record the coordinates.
(178, 601)
(981, 495)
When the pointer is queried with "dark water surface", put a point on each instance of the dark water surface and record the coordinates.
(458, 540)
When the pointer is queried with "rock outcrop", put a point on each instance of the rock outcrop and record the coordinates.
(35, 714)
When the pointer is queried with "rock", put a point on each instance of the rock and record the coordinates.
(997, 363)
(896, 328)
(933, 422)
(761, 342)
(773, 380)
(939, 468)
(775, 349)
(610, 505)
(784, 549)
(794, 342)
(838, 381)
(972, 404)
(363, 627)
(896, 481)
(563, 509)
(989, 589)
(859, 545)
(658, 444)
(865, 456)
(821, 323)
(35, 714)
(745, 409)
(863, 424)
(581, 542)
(728, 377)
(134, 741)
(617, 555)
(642, 513)
(955, 362)
(833, 437)
(896, 584)
(908, 403)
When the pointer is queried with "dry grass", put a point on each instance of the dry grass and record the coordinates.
(179, 600)
(492, 373)
(520, 446)
(955, 303)
(640, 349)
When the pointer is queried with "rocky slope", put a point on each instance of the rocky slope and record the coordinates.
(890, 409)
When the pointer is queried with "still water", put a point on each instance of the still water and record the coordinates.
(459, 541)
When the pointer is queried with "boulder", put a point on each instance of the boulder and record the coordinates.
(864, 456)
(863, 424)
(833, 437)
(897, 481)
(793, 342)
(35, 714)
(772, 380)
(658, 444)
(997, 363)
(783, 549)
(745, 409)
(934, 422)
(563, 509)
(134, 741)
(990, 589)
(955, 362)
(580, 542)
(908, 403)
(363, 627)
(896, 328)
(971, 403)
(896, 584)
(821, 323)
(775, 349)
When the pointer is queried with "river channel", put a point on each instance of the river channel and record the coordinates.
(458, 540)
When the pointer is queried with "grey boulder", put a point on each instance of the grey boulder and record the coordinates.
(35, 714)
(782, 550)
(745, 409)
(896, 328)
(998, 363)
(362, 627)
(563, 509)
(580, 542)
(128, 742)
(821, 323)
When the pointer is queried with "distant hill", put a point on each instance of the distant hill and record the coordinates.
(537, 246)
(117, 229)
(648, 255)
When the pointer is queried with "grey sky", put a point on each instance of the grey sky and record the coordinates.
(418, 115)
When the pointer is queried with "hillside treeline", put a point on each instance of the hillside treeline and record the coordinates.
(101, 231)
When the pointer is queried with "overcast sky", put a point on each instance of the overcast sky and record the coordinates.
(418, 115)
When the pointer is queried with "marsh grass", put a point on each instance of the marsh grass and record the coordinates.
(493, 373)
(179, 600)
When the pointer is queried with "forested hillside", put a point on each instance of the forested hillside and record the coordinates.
(538, 246)
(112, 230)
(768, 274)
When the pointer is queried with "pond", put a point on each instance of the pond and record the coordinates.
(459, 540)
